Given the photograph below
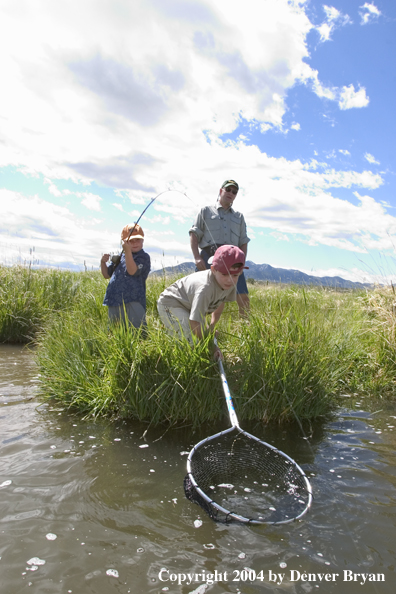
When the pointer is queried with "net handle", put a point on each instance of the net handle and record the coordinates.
(230, 405)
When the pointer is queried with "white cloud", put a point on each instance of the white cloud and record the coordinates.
(54, 231)
(350, 98)
(346, 97)
(357, 275)
(160, 219)
(81, 95)
(97, 103)
(280, 236)
(118, 206)
(344, 152)
(286, 198)
(90, 201)
(312, 76)
(60, 239)
(137, 101)
(371, 159)
(52, 188)
(331, 155)
(369, 13)
(334, 19)
(324, 31)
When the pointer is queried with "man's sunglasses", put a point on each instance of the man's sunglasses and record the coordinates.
(232, 190)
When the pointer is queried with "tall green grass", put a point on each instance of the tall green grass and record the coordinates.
(121, 374)
(30, 298)
(299, 352)
(301, 349)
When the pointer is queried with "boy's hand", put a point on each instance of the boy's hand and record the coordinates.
(105, 258)
(126, 246)
(218, 354)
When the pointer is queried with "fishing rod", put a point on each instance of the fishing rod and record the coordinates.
(134, 227)
(117, 258)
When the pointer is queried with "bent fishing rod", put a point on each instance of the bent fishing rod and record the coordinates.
(116, 259)
(149, 204)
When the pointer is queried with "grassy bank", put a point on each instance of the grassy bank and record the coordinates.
(300, 351)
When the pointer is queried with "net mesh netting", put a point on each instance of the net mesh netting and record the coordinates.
(244, 476)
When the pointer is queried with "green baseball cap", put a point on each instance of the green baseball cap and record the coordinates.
(228, 183)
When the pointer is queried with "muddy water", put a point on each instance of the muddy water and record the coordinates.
(85, 508)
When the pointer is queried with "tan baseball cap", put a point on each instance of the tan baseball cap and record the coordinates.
(132, 232)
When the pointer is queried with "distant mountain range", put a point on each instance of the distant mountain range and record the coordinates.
(265, 272)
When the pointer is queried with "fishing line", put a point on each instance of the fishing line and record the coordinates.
(116, 259)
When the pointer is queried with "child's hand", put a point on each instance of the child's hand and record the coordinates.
(105, 258)
(126, 246)
(218, 355)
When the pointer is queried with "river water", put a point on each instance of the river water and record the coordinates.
(100, 508)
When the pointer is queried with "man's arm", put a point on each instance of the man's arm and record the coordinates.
(199, 262)
(243, 238)
(244, 248)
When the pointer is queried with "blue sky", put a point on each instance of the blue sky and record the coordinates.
(106, 104)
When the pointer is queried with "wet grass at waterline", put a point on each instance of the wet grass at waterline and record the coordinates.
(300, 350)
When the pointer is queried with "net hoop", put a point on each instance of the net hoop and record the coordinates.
(209, 503)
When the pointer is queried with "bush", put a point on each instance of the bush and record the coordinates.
(299, 351)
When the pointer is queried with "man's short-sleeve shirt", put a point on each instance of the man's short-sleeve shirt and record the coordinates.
(214, 224)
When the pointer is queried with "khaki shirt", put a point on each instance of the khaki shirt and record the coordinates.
(199, 293)
(213, 224)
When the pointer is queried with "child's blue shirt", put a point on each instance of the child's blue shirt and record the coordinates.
(124, 287)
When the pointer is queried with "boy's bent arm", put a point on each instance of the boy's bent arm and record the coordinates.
(130, 262)
(196, 328)
(103, 266)
(216, 316)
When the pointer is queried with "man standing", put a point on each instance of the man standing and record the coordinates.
(220, 225)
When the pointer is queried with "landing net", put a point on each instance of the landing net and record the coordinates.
(235, 476)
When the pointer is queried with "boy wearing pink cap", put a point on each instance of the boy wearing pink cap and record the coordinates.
(184, 305)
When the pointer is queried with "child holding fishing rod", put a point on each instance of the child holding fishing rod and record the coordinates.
(184, 305)
(126, 291)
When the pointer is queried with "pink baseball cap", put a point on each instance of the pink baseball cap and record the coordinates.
(227, 256)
